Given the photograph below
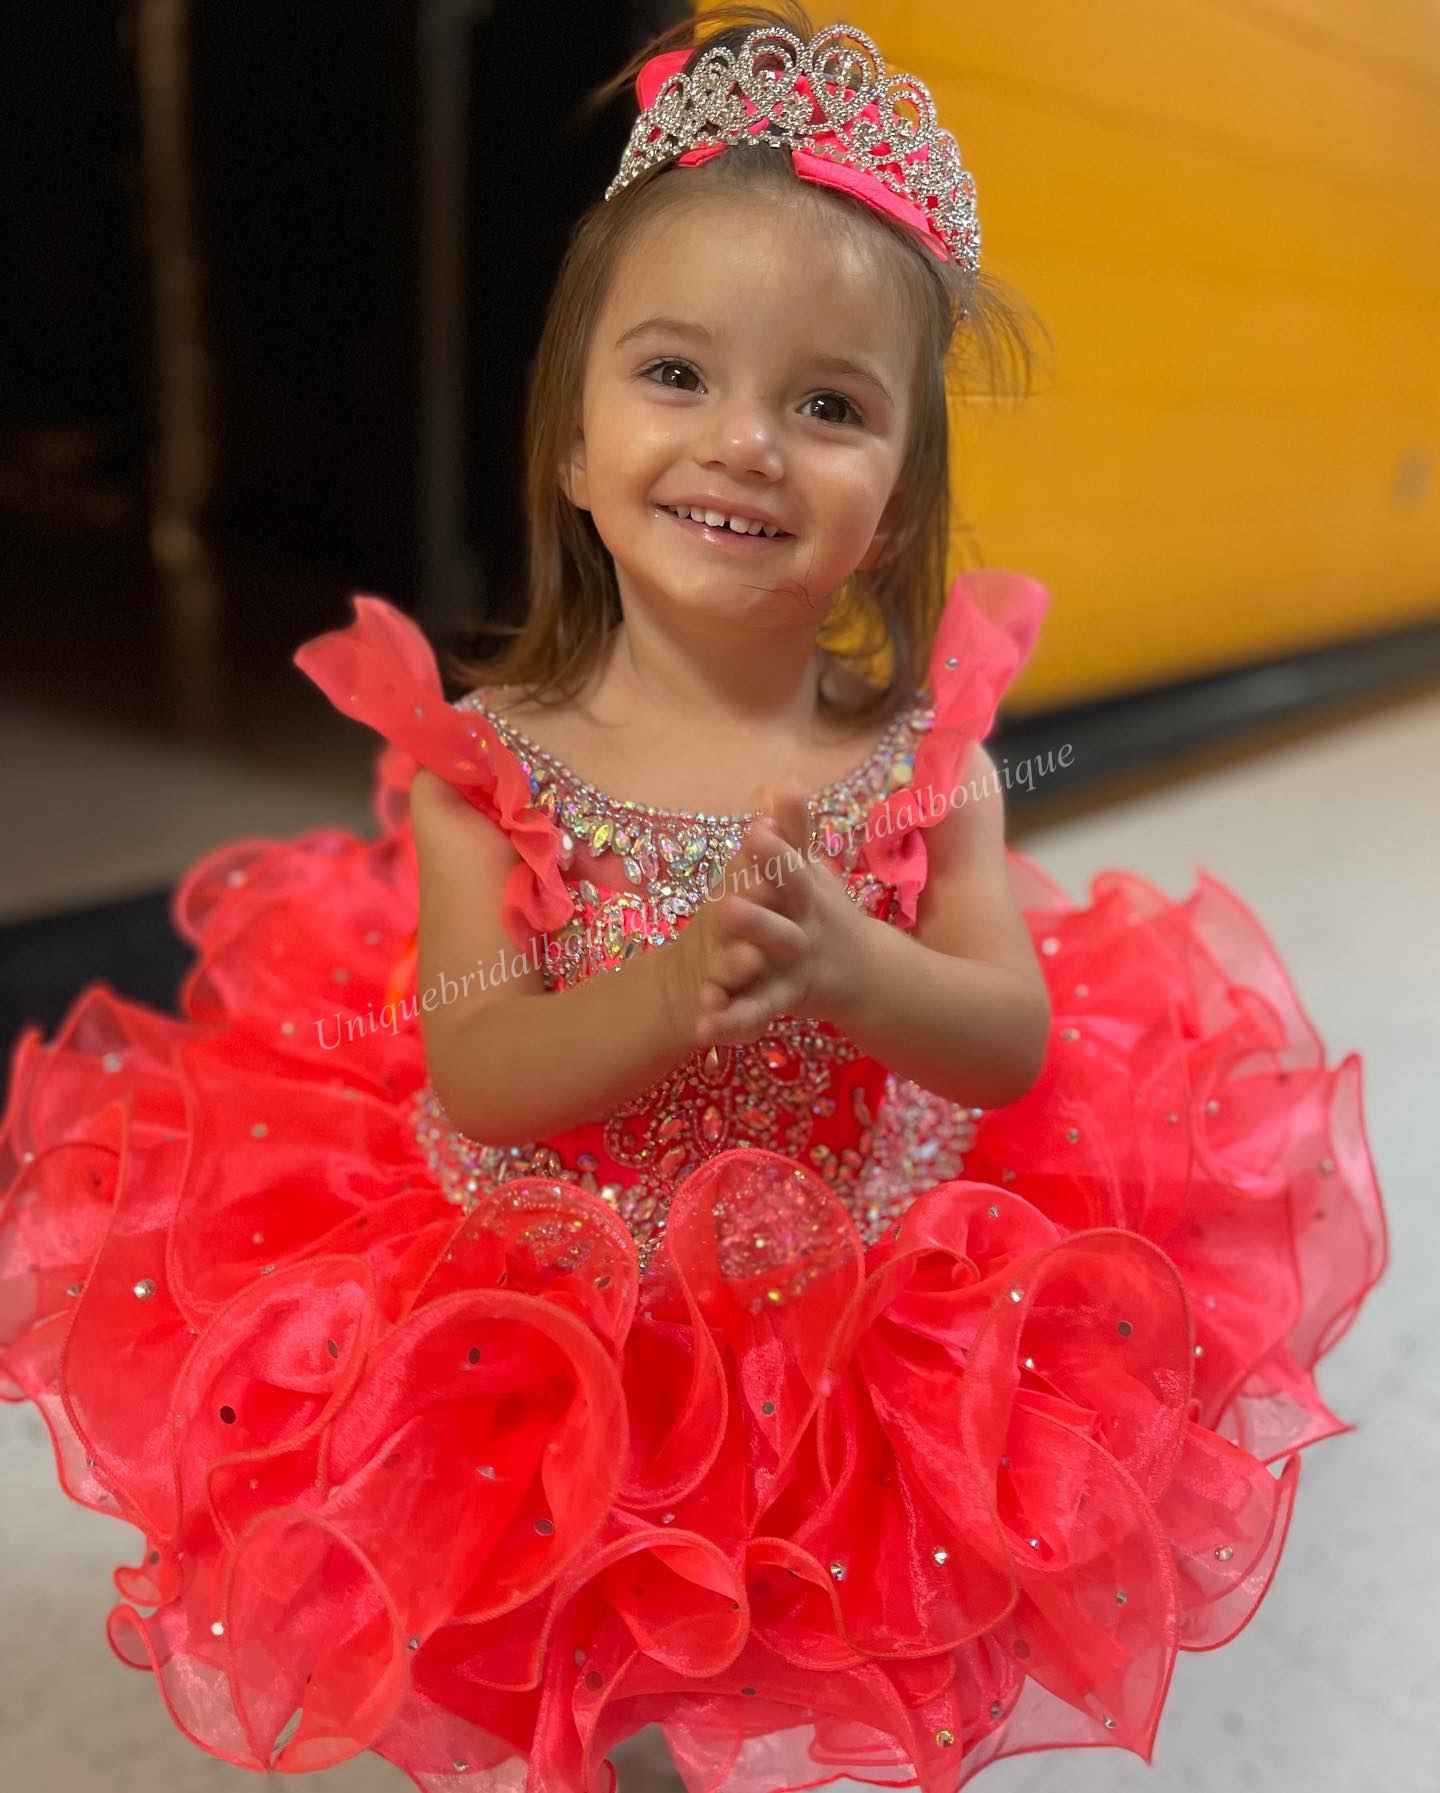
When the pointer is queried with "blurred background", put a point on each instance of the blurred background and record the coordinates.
(273, 277)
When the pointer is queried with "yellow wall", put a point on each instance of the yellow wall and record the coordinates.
(1228, 214)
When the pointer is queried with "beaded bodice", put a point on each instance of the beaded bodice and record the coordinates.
(666, 857)
(636, 875)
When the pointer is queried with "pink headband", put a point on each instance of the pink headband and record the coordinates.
(865, 156)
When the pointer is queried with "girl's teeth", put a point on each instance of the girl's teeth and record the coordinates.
(718, 520)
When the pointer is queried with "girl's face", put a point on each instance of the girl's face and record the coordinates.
(739, 396)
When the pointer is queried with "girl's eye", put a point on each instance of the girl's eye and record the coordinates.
(827, 397)
(655, 366)
(837, 398)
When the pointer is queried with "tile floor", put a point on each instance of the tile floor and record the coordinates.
(1336, 1684)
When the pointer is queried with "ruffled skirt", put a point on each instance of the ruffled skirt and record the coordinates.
(462, 1488)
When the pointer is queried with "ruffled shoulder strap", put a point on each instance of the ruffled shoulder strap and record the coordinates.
(382, 671)
(985, 635)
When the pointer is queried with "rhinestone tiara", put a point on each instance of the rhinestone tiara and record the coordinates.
(732, 97)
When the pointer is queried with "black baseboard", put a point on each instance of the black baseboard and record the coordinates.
(129, 945)
(1102, 750)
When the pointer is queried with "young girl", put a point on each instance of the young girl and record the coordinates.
(682, 1228)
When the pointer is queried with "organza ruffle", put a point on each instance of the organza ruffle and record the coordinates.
(462, 1489)
(382, 671)
(985, 634)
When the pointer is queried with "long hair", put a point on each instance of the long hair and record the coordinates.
(970, 335)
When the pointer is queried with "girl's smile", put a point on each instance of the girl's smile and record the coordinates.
(722, 537)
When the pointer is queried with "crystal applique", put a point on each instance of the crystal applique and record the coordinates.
(674, 856)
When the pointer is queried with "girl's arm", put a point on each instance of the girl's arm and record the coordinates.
(959, 1006)
(512, 1062)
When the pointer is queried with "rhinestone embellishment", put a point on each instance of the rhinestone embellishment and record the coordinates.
(913, 157)
(674, 856)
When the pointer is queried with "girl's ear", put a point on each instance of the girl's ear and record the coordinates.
(883, 543)
(574, 480)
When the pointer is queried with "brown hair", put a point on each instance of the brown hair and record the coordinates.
(887, 612)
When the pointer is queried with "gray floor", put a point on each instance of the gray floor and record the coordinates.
(88, 813)
(1336, 1684)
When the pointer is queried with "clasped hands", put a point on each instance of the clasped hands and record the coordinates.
(779, 937)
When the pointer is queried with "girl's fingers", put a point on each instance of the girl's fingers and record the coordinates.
(746, 1017)
(787, 811)
(741, 1025)
(768, 868)
(776, 935)
(739, 964)
(733, 968)
(792, 815)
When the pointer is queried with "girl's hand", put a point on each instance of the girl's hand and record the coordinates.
(782, 939)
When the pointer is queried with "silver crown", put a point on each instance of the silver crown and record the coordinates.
(708, 106)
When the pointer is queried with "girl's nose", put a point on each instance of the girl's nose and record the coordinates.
(743, 435)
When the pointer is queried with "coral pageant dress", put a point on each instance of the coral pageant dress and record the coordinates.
(836, 1429)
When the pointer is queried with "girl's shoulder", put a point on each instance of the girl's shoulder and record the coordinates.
(505, 697)
(434, 799)
(515, 709)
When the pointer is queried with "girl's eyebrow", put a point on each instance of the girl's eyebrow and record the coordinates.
(673, 326)
(835, 364)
